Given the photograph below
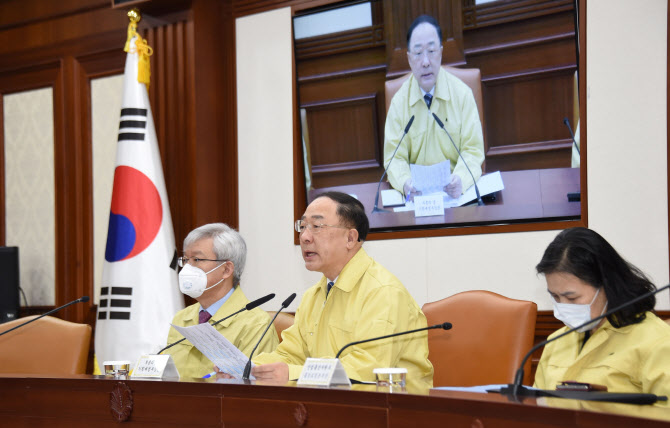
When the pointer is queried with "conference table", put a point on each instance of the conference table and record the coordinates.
(99, 401)
(529, 196)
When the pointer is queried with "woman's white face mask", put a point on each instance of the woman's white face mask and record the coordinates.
(573, 314)
(193, 280)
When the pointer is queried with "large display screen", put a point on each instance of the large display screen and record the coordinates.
(511, 112)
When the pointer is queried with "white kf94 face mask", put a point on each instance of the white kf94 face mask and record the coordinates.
(193, 280)
(573, 314)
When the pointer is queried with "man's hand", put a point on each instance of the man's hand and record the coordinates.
(272, 372)
(221, 375)
(455, 187)
(408, 189)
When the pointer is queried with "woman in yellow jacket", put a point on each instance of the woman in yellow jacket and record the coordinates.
(626, 351)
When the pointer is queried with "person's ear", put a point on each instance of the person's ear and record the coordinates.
(352, 238)
(227, 270)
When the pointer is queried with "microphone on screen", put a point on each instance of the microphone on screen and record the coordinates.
(441, 125)
(83, 299)
(284, 305)
(249, 306)
(566, 122)
(376, 209)
(572, 196)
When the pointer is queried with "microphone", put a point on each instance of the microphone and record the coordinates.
(444, 326)
(441, 125)
(248, 307)
(376, 209)
(284, 305)
(573, 196)
(515, 388)
(83, 299)
(572, 134)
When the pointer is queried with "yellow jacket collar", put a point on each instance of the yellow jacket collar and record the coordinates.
(441, 88)
(351, 272)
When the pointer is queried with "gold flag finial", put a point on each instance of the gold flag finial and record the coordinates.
(143, 50)
(134, 15)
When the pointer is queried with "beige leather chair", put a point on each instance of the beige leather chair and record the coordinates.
(470, 76)
(282, 322)
(46, 346)
(490, 335)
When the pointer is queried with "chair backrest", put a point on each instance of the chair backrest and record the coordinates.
(490, 335)
(46, 346)
(282, 322)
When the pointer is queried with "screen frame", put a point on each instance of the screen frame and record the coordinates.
(300, 192)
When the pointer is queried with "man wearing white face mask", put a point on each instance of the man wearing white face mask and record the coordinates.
(626, 351)
(212, 264)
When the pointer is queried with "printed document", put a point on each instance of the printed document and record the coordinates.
(217, 348)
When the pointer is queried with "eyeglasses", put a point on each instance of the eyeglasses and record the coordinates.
(183, 261)
(432, 53)
(301, 225)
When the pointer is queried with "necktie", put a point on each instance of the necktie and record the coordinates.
(204, 316)
(429, 99)
(330, 285)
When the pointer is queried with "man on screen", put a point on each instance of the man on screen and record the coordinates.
(212, 264)
(355, 299)
(431, 89)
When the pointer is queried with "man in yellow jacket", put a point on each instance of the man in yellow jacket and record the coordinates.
(212, 264)
(356, 299)
(432, 90)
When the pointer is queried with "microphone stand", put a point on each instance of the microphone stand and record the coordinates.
(83, 299)
(247, 368)
(573, 196)
(248, 307)
(444, 326)
(376, 208)
(480, 202)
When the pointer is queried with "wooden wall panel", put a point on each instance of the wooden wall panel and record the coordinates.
(341, 86)
(528, 65)
(343, 128)
(171, 94)
(67, 43)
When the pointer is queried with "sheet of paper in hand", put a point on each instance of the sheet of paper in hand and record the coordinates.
(429, 179)
(217, 348)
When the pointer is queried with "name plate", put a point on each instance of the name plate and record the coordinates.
(155, 367)
(425, 206)
(323, 372)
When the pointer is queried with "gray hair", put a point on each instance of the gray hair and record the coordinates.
(227, 242)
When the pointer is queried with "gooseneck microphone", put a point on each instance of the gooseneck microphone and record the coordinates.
(376, 209)
(284, 305)
(441, 125)
(572, 134)
(248, 307)
(444, 326)
(573, 196)
(517, 389)
(83, 299)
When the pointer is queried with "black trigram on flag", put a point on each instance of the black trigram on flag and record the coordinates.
(115, 303)
(133, 124)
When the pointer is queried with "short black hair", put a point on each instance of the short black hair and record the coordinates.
(351, 211)
(420, 20)
(588, 256)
